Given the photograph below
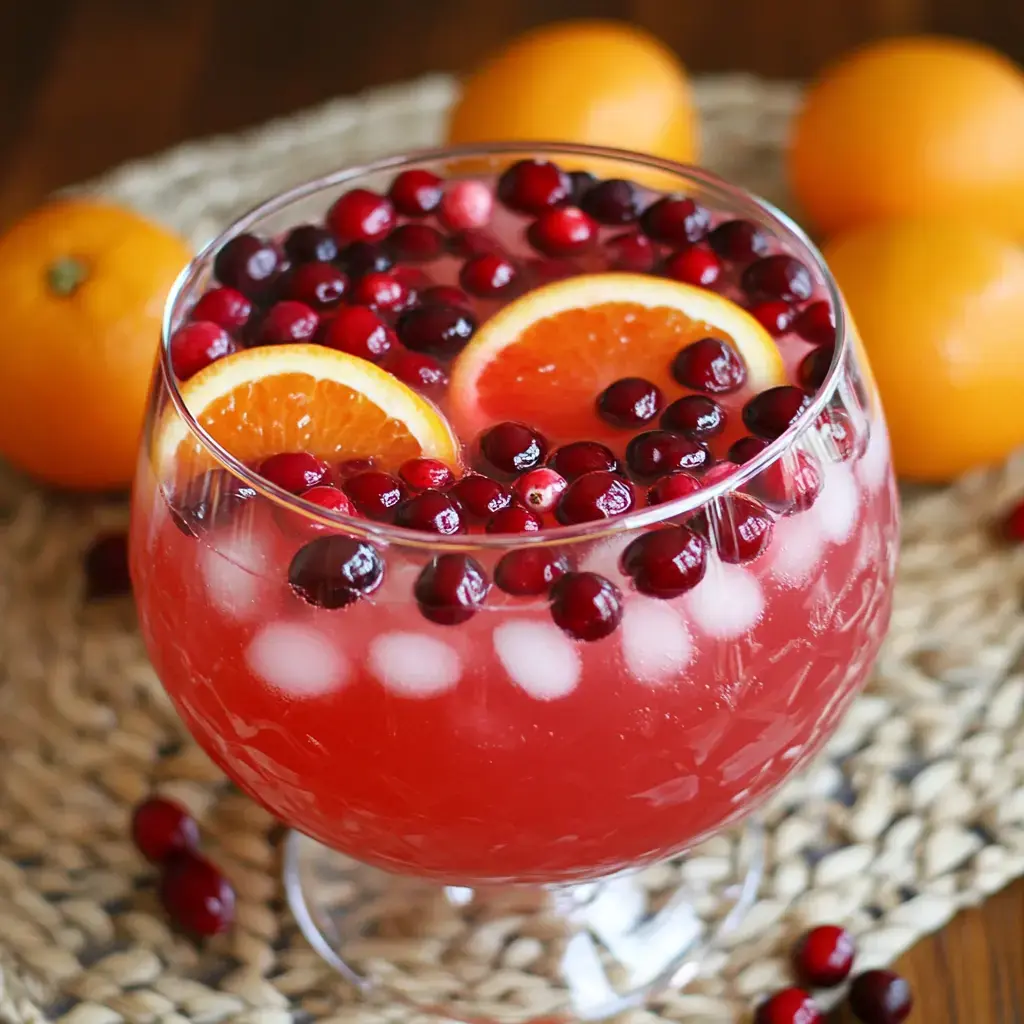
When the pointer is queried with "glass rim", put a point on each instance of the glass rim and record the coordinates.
(385, 533)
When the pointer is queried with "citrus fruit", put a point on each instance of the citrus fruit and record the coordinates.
(544, 357)
(908, 127)
(595, 82)
(82, 291)
(287, 398)
(940, 309)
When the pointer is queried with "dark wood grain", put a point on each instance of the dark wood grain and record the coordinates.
(85, 84)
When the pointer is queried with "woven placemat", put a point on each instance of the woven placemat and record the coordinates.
(917, 809)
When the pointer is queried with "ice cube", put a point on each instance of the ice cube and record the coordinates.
(538, 657)
(414, 664)
(874, 463)
(727, 602)
(655, 641)
(297, 659)
(797, 546)
(234, 571)
(836, 507)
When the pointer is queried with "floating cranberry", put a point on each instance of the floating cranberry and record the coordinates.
(376, 494)
(1013, 523)
(474, 242)
(881, 997)
(319, 285)
(162, 829)
(774, 316)
(425, 474)
(106, 567)
(657, 452)
(771, 412)
(381, 291)
(790, 484)
(416, 192)
(451, 589)
(615, 201)
(745, 448)
(816, 324)
(310, 243)
(738, 241)
(359, 331)
(287, 322)
(514, 519)
(710, 365)
(593, 496)
(545, 271)
(413, 278)
(445, 295)
(629, 402)
(666, 562)
(631, 252)
(673, 486)
(361, 216)
(294, 472)
(364, 258)
(196, 345)
(331, 499)
(415, 243)
(417, 370)
(533, 186)
(348, 468)
(249, 265)
(578, 457)
(695, 416)
(481, 496)
(440, 330)
(431, 511)
(224, 307)
(488, 275)
(196, 896)
(581, 182)
(529, 572)
(814, 367)
(585, 605)
(210, 501)
(789, 1006)
(466, 204)
(695, 265)
(744, 528)
(539, 489)
(513, 447)
(778, 277)
(335, 571)
(824, 956)
(564, 231)
(675, 220)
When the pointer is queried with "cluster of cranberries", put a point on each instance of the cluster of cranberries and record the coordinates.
(196, 896)
(823, 959)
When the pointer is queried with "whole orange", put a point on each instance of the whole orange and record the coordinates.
(596, 82)
(940, 308)
(912, 126)
(82, 291)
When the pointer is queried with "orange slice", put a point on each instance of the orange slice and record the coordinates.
(546, 357)
(302, 398)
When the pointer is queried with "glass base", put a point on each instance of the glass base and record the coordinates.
(517, 954)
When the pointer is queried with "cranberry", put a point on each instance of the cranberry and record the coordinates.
(814, 367)
(675, 220)
(416, 192)
(789, 1006)
(695, 265)
(824, 956)
(778, 277)
(319, 285)
(451, 589)
(539, 489)
(657, 452)
(564, 231)
(162, 829)
(335, 571)
(415, 243)
(615, 201)
(816, 324)
(578, 457)
(881, 997)
(310, 243)
(1013, 523)
(359, 331)
(593, 496)
(744, 528)
(210, 501)
(529, 572)
(771, 412)
(361, 216)
(585, 605)
(841, 438)
(106, 567)
(774, 316)
(348, 468)
(249, 265)
(466, 204)
(745, 448)
(488, 275)
(546, 271)
(375, 493)
(417, 370)
(672, 486)
(581, 182)
(198, 898)
(431, 511)
(224, 307)
(413, 278)
(445, 295)
(695, 416)
(513, 447)
(710, 365)
(514, 519)
(474, 242)
(667, 562)
(331, 499)
(481, 496)
(425, 474)
(629, 402)
(287, 322)
(294, 472)
(364, 258)
(533, 186)
(381, 290)
(738, 241)
(631, 252)
(440, 330)
(196, 345)
(791, 483)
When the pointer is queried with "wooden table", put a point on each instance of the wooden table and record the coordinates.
(85, 84)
